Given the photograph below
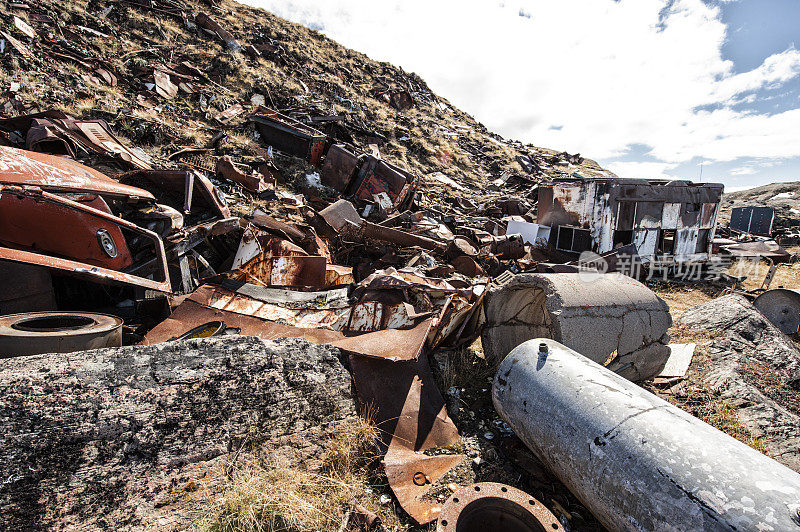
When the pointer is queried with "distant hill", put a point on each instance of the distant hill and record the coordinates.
(783, 197)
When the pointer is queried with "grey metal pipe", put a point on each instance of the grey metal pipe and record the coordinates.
(636, 461)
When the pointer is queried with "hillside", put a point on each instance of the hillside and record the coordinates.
(99, 59)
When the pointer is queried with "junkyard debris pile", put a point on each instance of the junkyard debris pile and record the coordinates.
(204, 169)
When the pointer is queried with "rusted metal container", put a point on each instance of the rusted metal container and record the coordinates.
(339, 168)
(377, 177)
(290, 136)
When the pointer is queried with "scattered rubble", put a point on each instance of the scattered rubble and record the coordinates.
(223, 172)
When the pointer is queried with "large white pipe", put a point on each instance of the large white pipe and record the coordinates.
(636, 461)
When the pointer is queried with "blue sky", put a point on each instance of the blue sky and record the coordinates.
(649, 88)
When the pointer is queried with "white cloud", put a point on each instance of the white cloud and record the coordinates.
(612, 74)
(744, 170)
(643, 170)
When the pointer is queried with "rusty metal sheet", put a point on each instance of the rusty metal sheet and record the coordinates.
(99, 137)
(398, 237)
(285, 270)
(376, 177)
(43, 137)
(411, 416)
(336, 275)
(390, 344)
(267, 222)
(226, 116)
(18, 46)
(28, 223)
(94, 272)
(339, 168)
(27, 168)
(253, 182)
(206, 22)
(198, 193)
(767, 249)
(164, 86)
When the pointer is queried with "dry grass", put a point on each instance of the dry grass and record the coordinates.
(464, 366)
(786, 276)
(263, 494)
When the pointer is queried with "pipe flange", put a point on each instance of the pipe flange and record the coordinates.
(32, 333)
(492, 506)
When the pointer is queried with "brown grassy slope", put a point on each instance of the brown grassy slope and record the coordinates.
(311, 75)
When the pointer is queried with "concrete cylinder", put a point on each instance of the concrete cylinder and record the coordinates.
(636, 461)
(601, 316)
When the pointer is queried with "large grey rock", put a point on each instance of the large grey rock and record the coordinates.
(112, 438)
(756, 368)
(597, 315)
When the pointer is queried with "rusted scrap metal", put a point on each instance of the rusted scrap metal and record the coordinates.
(18, 46)
(194, 193)
(54, 128)
(391, 314)
(339, 168)
(336, 275)
(253, 182)
(290, 136)
(163, 85)
(490, 506)
(368, 178)
(272, 270)
(266, 313)
(507, 247)
(227, 116)
(411, 416)
(57, 174)
(48, 192)
(85, 235)
(207, 23)
(768, 249)
(376, 177)
(344, 218)
(373, 231)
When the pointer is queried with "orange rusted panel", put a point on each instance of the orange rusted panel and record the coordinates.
(58, 174)
(55, 229)
(91, 215)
